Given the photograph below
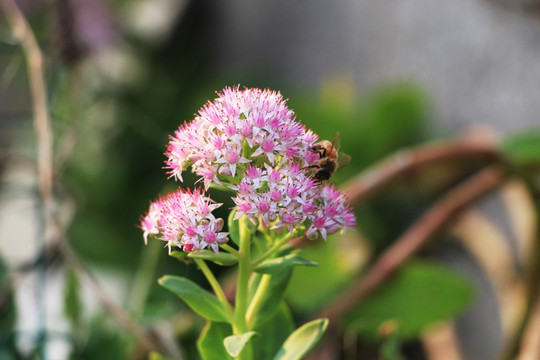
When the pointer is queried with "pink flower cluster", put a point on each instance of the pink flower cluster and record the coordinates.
(330, 214)
(249, 141)
(184, 219)
(238, 128)
(286, 196)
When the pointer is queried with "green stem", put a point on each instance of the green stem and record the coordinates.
(244, 270)
(214, 284)
(257, 298)
(229, 249)
(277, 245)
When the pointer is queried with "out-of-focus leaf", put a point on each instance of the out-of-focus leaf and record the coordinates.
(273, 333)
(523, 148)
(272, 296)
(156, 356)
(103, 342)
(234, 228)
(4, 354)
(422, 293)
(7, 302)
(337, 266)
(393, 117)
(210, 342)
(276, 265)
(390, 117)
(178, 254)
(72, 302)
(302, 340)
(390, 349)
(198, 299)
(223, 258)
(234, 344)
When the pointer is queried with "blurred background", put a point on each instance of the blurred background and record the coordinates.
(121, 76)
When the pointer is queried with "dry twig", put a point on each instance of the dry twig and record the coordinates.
(530, 340)
(42, 126)
(405, 161)
(525, 344)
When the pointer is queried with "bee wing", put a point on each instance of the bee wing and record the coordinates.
(335, 141)
(343, 160)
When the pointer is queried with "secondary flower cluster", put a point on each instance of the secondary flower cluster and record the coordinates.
(287, 196)
(249, 141)
(185, 219)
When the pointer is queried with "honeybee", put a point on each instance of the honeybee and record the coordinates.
(330, 159)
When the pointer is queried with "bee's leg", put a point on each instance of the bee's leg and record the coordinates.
(321, 150)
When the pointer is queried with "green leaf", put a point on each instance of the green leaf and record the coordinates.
(336, 269)
(156, 356)
(302, 340)
(210, 342)
(273, 333)
(523, 148)
(421, 294)
(8, 309)
(254, 282)
(256, 277)
(234, 228)
(276, 265)
(223, 258)
(235, 343)
(390, 349)
(180, 255)
(198, 299)
(102, 341)
(72, 302)
(272, 297)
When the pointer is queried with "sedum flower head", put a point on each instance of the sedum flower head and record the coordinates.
(185, 219)
(249, 141)
(239, 128)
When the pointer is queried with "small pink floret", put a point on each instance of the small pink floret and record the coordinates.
(263, 206)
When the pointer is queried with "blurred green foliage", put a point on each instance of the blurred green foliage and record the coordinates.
(370, 126)
(421, 294)
(523, 149)
(322, 282)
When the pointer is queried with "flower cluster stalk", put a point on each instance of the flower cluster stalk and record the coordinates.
(244, 270)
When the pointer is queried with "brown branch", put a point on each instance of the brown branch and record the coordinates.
(530, 339)
(525, 343)
(42, 126)
(402, 162)
(414, 238)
